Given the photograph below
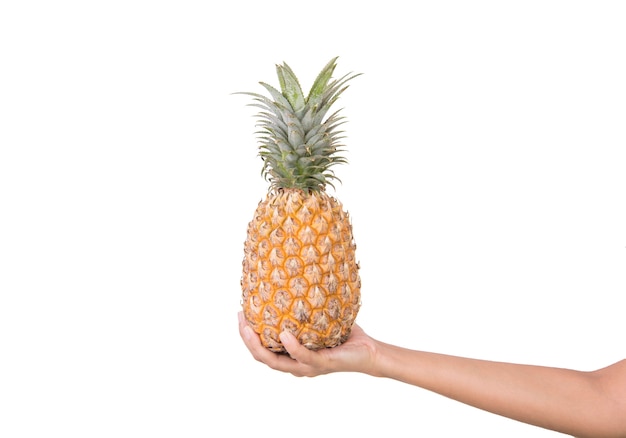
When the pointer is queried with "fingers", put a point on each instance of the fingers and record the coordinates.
(279, 362)
(252, 341)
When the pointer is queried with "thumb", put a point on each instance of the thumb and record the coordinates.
(296, 350)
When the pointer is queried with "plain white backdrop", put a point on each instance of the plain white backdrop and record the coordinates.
(486, 183)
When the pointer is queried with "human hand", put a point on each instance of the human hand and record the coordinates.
(357, 354)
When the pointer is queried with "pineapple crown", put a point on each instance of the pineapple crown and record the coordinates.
(297, 143)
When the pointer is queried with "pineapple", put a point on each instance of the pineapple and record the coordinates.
(300, 273)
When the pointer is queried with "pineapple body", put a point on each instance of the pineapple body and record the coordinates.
(299, 270)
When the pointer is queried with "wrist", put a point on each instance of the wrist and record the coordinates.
(378, 356)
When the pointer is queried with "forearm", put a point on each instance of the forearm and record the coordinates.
(564, 400)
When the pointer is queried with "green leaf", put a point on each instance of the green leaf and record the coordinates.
(279, 99)
(290, 86)
(322, 81)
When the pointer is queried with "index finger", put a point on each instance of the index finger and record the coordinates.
(279, 362)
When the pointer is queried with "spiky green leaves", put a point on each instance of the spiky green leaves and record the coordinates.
(290, 87)
(297, 143)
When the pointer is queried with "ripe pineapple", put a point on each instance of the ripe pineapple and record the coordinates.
(299, 268)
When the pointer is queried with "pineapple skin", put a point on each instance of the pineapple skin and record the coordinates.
(299, 270)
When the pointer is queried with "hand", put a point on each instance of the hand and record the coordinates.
(357, 354)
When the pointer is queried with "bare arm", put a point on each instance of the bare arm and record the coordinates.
(574, 402)
(583, 404)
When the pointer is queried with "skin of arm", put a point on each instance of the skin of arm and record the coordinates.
(578, 403)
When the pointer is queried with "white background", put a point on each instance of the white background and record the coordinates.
(486, 185)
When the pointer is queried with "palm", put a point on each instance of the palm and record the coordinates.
(357, 345)
(355, 354)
